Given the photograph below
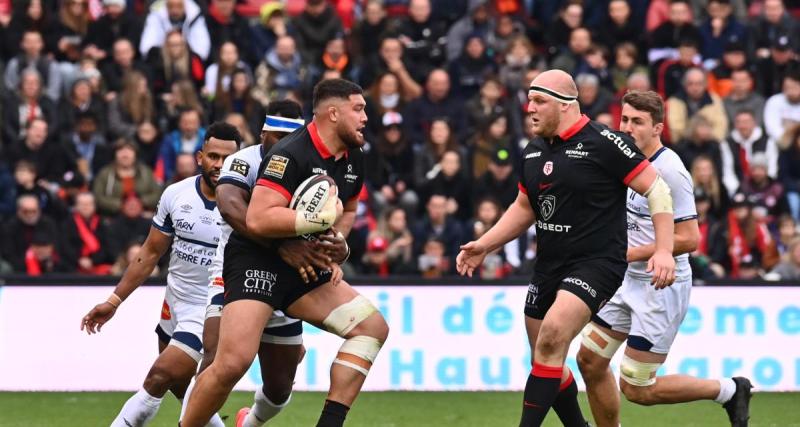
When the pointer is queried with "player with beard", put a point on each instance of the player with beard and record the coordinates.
(185, 219)
(331, 145)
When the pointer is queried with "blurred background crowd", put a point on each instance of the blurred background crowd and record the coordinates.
(104, 103)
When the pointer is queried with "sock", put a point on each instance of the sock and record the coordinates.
(215, 421)
(185, 400)
(333, 414)
(138, 410)
(566, 404)
(540, 393)
(727, 388)
(263, 410)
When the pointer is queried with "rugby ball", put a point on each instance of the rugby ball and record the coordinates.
(312, 194)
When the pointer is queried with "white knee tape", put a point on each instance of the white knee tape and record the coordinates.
(638, 374)
(607, 351)
(363, 347)
(345, 317)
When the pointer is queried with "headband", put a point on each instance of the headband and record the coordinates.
(560, 97)
(282, 124)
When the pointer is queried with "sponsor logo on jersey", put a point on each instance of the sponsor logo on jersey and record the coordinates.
(218, 282)
(548, 167)
(632, 226)
(207, 220)
(276, 166)
(260, 281)
(533, 155)
(182, 224)
(533, 293)
(619, 142)
(350, 176)
(186, 208)
(165, 313)
(319, 171)
(558, 228)
(583, 285)
(240, 166)
(547, 205)
(577, 152)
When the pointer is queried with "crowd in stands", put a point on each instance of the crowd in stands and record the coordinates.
(105, 102)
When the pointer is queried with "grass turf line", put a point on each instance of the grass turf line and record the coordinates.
(390, 409)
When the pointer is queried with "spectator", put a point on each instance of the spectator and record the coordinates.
(499, 180)
(25, 183)
(494, 136)
(593, 97)
(423, 37)
(427, 155)
(505, 29)
(272, 24)
(485, 107)
(129, 225)
(495, 265)
(696, 101)
(391, 58)
(368, 33)
(148, 142)
(80, 101)
(72, 184)
(706, 178)
(389, 248)
(123, 61)
(789, 268)
(29, 104)
(438, 224)
(743, 96)
(476, 21)
(762, 191)
(433, 262)
(745, 141)
(595, 62)
(580, 40)
(174, 62)
(218, 74)
(50, 158)
(719, 29)
(118, 22)
(41, 256)
(19, 231)
(182, 96)
(171, 16)
(569, 18)
(123, 177)
(789, 170)
(783, 109)
(87, 146)
(33, 58)
(86, 244)
(707, 259)
(283, 71)
(787, 232)
(239, 121)
(238, 98)
(385, 96)
(30, 15)
(678, 28)
(620, 27)
(8, 198)
(132, 107)
(748, 239)
(185, 167)
(187, 139)
(700, 141)
(518, 57)
(314, 27)
(436, 102)
(734, 57)
(127, 257)
(452, 181)
(625, 64)
(70, 29)
(772, 69)
(774, 23)
(672, 71)
(226, 25)
(391, 173)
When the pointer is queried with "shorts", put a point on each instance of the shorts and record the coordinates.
(281, 329)
(181, 324)
(262, 275)
(650, 317)
(594, 281)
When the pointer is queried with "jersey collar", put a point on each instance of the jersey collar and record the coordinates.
(318, 144)
(569, 133)
(207, 203)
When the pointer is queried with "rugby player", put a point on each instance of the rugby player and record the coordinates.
(644, 316)
(186, 219)
(258, 281)
(573, 187)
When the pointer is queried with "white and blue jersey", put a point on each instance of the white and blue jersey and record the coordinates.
(640, 225)
(184, 213)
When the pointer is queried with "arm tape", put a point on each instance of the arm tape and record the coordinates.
(659, 198)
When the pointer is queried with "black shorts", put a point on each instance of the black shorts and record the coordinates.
(593, 281)
(255, 273)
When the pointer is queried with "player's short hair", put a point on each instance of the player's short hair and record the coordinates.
(647, 101)
(285, 108)
(335, 88)
(223, 131)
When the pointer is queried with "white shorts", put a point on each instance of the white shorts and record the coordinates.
(649, 317)
(281, 329)
(181, 325)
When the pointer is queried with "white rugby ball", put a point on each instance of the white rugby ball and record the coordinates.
(312, 194)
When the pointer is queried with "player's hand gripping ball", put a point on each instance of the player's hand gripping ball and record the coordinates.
(317, 204)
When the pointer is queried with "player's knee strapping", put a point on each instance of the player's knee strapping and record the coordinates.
(591, 334)
(359, 351)
(638, 374)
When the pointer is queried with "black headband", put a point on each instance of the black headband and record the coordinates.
(557, 95)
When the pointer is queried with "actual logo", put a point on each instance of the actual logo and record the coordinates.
(548, 167)
(547, 205)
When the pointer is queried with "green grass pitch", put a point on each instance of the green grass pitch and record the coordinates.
(385, 410)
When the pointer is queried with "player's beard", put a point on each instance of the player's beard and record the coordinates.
(207, 178)
(350, 138)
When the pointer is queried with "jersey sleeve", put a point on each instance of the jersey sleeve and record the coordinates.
(680, 185)
(620, 157)
(281, 173)
(162, 220)
(237, 171)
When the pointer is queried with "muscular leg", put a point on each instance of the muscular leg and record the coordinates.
(240, 332)
(601, 387)
(669, 388)
(278, 367)
(210, 338)
(565, 318)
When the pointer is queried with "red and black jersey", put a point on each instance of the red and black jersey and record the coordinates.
(577, 184)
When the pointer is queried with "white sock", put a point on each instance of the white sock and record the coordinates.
(727, 387)
(215, 421)
(138, 411)
(263, 410)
